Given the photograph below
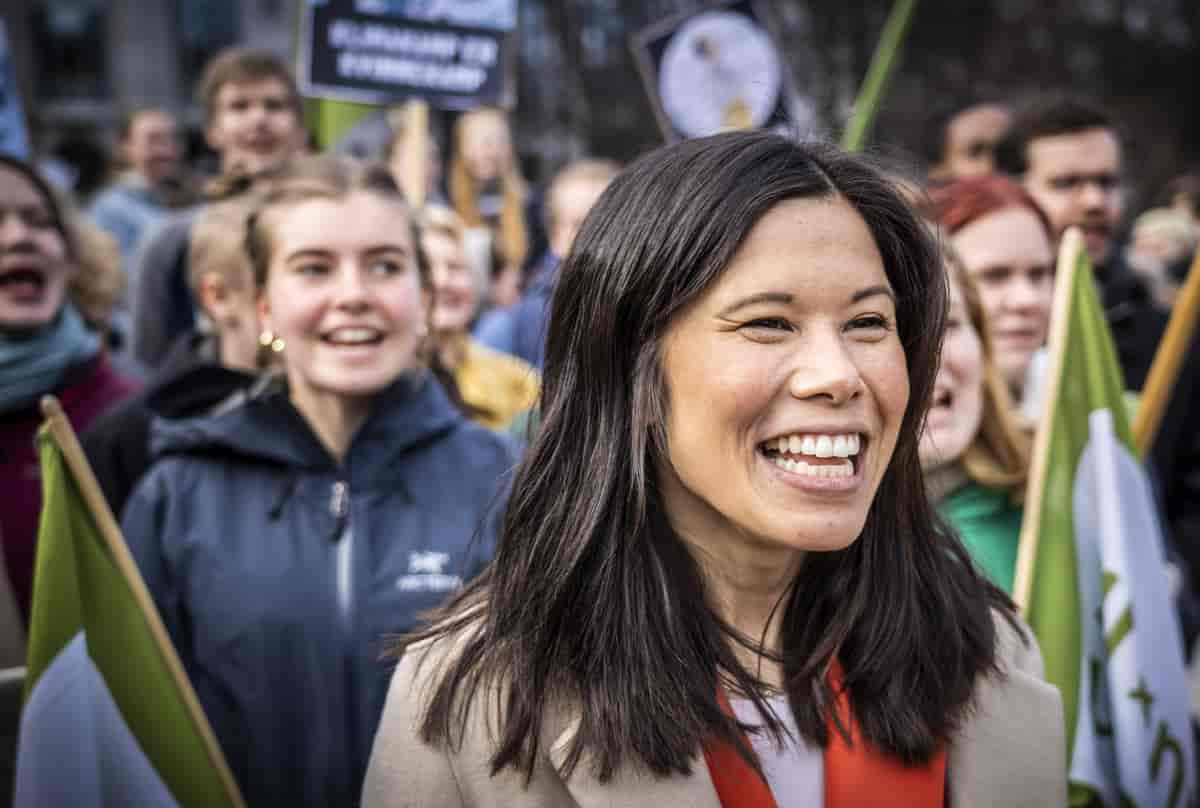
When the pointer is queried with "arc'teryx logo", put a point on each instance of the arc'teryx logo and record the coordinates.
(426, 573)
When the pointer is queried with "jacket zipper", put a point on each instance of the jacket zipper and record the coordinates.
(339, 506)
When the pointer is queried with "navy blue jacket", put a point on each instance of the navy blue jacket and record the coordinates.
(280, 574)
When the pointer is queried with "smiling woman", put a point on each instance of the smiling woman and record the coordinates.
(497, 387)
(340, 288)
(819, 364)
(722, 514)
(284, 537)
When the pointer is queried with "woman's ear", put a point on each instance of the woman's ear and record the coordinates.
(214, 295)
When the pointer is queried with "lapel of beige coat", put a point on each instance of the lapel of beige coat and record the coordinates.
(1011, 751)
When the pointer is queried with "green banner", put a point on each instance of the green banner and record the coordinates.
(79, 586)
(1095, 581)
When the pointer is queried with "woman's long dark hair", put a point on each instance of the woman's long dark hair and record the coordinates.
(593, 602)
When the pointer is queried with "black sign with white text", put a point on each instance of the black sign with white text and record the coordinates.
(383, 58)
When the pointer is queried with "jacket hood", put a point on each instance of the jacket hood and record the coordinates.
(191, 380)
(185, 352)
(267, 428)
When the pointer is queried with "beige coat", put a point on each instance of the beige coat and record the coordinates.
(1011, 752)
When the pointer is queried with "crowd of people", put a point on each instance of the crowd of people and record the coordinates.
(630, 466)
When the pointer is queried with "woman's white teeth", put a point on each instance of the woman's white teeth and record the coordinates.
(843, 469)
(353, 336)
(817, 445)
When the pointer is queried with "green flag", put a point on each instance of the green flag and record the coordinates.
(110, 717)
(1091, 574)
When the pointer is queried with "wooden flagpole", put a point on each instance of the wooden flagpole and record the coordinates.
(64, 435)
(1060, 319)
(1168, 359)
(414, 156)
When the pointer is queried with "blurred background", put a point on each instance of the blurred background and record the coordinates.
(80, 62)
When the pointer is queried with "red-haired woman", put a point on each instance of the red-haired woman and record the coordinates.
(1006, 243)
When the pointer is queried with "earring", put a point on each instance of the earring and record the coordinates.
(267, 339)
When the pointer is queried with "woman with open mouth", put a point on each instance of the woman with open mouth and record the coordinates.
(720, 581)
(51, 286)
(284, 538)
(974, 449)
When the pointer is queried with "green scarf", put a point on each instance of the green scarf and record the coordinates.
(33, 365)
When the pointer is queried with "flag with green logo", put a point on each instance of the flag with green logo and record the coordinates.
(110, 717)
(1091, 575)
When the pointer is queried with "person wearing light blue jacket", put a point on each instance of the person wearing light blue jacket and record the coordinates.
(285, 539)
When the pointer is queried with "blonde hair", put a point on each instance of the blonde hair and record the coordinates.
(998, 455)
(512, 235)
(99, 280)
(324, 176)
(217, 245)
(1172, 223)
(434, 218)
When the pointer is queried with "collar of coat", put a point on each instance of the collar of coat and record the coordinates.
(266, 428)
(856, 774)
(1010, 752)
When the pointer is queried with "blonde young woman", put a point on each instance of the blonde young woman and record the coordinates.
(284, 539)
(497, 388)
(487, 190)
(974, 450)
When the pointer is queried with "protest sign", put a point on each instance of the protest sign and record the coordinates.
(715, 69)
(453, 55)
